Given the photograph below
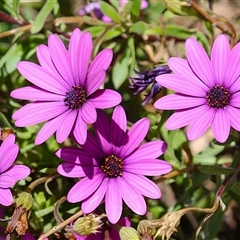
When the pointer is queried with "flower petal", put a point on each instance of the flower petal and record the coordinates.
(233, 114)
(37, 112)
(84, 53)
(152, 149)
(235, 100)
(199, 62)
(148, 167)
(6, 198)
(18, 172)
(184, 85)
(113, 201)
(131, 197)
(8, 153)
(42, 78)
(219, 57)
(6, 181)
(95, 80)
(134, 137)
(199, 125)
(46, 62)
(118, 128)
(60, 58)
(64, 129)
(84, 188)
(89, 113)
(74, 54)
(80, 130)
(142, 185)
(221, 125)
(35, 94)
(93, 201)
(102, 60)
(105, 98)
(177, 101)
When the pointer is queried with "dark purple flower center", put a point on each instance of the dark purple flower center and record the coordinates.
(75, 98)
(218, 97)
(112, 166)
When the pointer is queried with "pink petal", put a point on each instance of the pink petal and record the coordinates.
(93, 201)
(142, 185)
(148, 167)
(151, 149)
(35, 94)
(102, 60)
(60, 58)
(232, 66)
(84, 188)
(134, 137)
(235, 87)
(105, 98)
(101, 126)
(235, 100)
(185, 85)
(113, 201)
(131, 197)
(75, 171)
(95, 80)
(233, 114)
(118, 128)
(89, 113)
(177, 101)
(34, 113)
(8, 153)
(64, 129)
(19, 172)
(6, 198)
(219, 57)
(74, 54)
(183, 118)
(80, 130)
(46, 62)
(84, 54)
(181, 67)
(221, 125)
(6, 181)
(42, 78)
(199, 62)
(199, 125)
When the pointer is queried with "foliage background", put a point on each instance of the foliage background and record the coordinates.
(140, 39)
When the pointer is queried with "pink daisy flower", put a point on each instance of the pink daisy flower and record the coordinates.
(67, 91)
(9, 173)
(112, 166)
(207, 90)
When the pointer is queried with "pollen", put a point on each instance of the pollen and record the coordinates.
(112, 166)
(75, 98)
(218, 97)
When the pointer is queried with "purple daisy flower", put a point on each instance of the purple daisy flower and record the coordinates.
(207, 90)
(112, 166)
(9, 173)
(67, 91)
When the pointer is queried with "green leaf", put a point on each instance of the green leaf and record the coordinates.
(136, 8)
(214, 170)
(4, 122)
(112, 33)
(94, 21)
(16, 4)
(110, 11)
(44, 212)
(138, 27)
(42, 16)
(95, 31)
(128, 7)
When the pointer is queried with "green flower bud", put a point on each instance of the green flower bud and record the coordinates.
(87, 225)
(25, 200)
(127, 233)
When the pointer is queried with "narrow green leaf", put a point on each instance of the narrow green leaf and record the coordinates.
(110, 11)
(16, 4)
(138, 27)
(136, 8)
(94, 21)
(44, 212)
(128, 7)
(42, 16)
(214, 170)
(4, 121)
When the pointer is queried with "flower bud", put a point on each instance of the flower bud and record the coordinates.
(25, 200)
(87, 225)
(127, 233)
